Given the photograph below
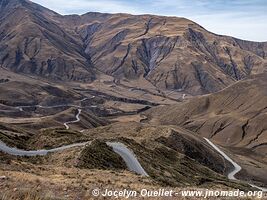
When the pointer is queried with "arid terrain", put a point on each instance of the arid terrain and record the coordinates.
(160, 86)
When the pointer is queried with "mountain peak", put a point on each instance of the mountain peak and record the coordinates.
(25, 5)
(5, 3)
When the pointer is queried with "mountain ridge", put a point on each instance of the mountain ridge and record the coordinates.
(171, 53)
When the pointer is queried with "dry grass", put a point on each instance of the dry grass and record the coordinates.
(21, 195)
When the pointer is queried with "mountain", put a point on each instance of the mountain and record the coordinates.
(172, 54)
(32, 43)
(233, 116)
(85, 100)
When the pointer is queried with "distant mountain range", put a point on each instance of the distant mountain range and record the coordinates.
(168, 52)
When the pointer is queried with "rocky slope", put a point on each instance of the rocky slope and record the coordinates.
(172, 157)
(171, 53)
(234, 116)
(32, 43)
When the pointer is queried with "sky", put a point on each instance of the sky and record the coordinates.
(244, 19)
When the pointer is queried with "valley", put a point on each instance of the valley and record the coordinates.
(115, 101)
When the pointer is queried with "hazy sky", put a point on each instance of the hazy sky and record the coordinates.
(245, 19)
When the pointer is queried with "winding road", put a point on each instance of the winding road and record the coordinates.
(56, 106)
(128, 157)
(47, 107)
(43, 152)
(119, 148)
(237, 168)
(61, 105)
(75, 121)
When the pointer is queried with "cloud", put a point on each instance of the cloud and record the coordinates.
(245, 27)
(83, 6)
(244, 19)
